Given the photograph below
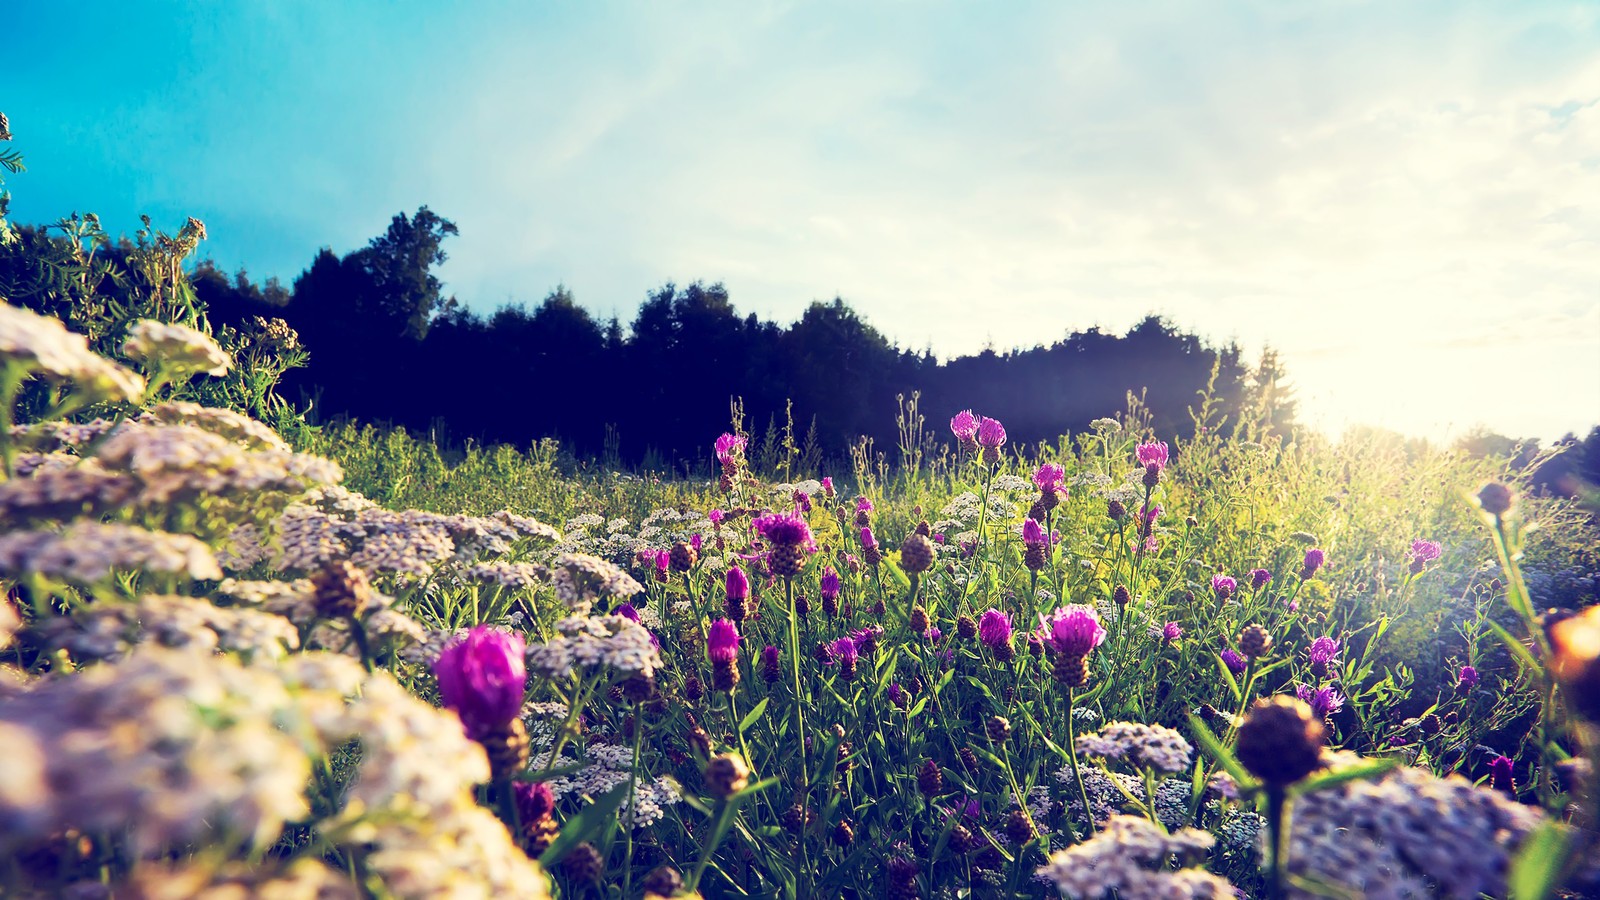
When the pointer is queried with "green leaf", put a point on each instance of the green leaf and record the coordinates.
(1539, 862)
(1221, 754)
(1515, 646)
(586, 825)
(1367, 768)
(753, 716)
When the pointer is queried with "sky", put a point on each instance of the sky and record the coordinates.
(1403, 199)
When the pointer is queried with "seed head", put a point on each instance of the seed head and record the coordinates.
(1280, 741)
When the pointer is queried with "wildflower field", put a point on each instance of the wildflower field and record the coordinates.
(247, 654)
(342, 662)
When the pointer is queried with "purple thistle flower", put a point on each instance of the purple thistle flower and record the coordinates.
(722, 642)
(1032, 533)
(938, 537)
(863, 505)
(784, 530)
(1467, 679)
(1313, 561)
(1426, 551)
(866, 639)
(1223, 586)
(1170, 632)
(696, 541)
(897, 694)
(769, 657)
(1152, 454)
(1324, 702)
(802, 502)
(933, 634)
(868, 540)
(535, 801)
(1049, 477)
(1151, 512)
(1073, 630)
(483, 677)
(991, 433)
(1323, 650)
(729, 448)
(663, 562)
(827, 487)
(1501, 772)
(994, 628)
(716, 516)
(1233, 661)
(830, 583)
(964, 425)
(1259, 578)
(626, 611)
(737, 584)
(843, 649)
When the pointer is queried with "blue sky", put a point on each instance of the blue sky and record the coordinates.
(1403, 198)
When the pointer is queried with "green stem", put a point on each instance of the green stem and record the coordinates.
(799, 736)
(1072, 757)
(633, 788)
(1278, 830)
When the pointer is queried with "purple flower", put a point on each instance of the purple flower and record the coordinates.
(1324, 702)
(716, 516)
(843, 649)
(534, 799)
(830, 583)
(1314, 560)
(1467, 679)
(863, 505)
(897, 694)
(722, 642)
(1152, 512)
(994, 628)
(783, 530)
(737, 584)
(802, 502)
(1049, 477)
(827, 487)
(696, 541)
(663, 561)
(1223, 586)
(1233, 661)
(1171, 632)
(933, 634)
(729, 448)
(1501, 771)
(769, 657)
(626, 611)
(866, 639)
(1032, 534)
(991, 433)
(1073, 630)
(1152, 454)
(1259, 578)
(1426, 551)
(868, 541)
(964, 425)
(1323, 650)
(938, 537)
(483, 678)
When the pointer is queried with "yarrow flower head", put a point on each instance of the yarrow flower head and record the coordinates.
(1073, 630)
(994, 628)
(722, 642)
(730, 448)
(1259, 578)
(1139, 745)
(1324, 701)
(1313, 561)
(483, 678)
(1152, 454)
(964, 425)
(1049, 477)
(1323, 650)
(178, 349)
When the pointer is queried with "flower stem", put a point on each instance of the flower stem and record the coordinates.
(1072, 757)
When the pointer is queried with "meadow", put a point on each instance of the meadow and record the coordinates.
(329, 660)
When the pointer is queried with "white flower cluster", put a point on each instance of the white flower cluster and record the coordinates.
(965, 508)
(588, 641)
(580, 579)
(1110, 426)
(175, 348)
(62, 488)
(610, 765)
(294, 600)
(1014, 484)
(1406, 830)
(184, 462)
(89, 552)
(57, 435)
(514, 575)
(1129, 858)
(1141, 746)
(106, 629)
(234, 426)
(44, 346)
(244, 547)
(1108, 791)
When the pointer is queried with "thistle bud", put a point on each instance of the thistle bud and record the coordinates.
(682, 557)
(1255, 641)
(1495, 498)
(341, 590)
(916, 554)
(1280, 741)
(967, 627)
(930, 781)
(584, 864)
(1018, 827)
(998, 728)
(727, 774)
